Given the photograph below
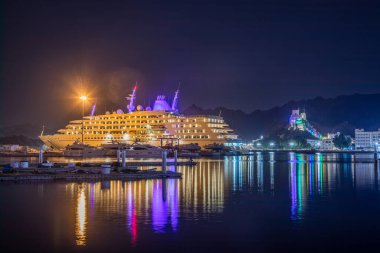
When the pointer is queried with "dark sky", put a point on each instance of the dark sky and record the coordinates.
(238, 54)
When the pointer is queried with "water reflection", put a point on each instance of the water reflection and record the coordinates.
(312, 178)
(165, 206)
(81, 218)
(206, 190)
(202, 189)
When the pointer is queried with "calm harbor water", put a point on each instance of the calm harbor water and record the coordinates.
(267, 203)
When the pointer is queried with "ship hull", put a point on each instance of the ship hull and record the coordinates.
(60, 142)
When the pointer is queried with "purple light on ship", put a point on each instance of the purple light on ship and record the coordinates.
(93, 108)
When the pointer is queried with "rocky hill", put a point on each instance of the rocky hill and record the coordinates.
(342, 113)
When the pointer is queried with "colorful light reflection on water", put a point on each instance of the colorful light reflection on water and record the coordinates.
(214, 192)
(203, 190)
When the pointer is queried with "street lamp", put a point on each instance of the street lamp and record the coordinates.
(83, 98)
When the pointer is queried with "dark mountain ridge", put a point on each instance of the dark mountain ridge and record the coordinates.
(342, 113)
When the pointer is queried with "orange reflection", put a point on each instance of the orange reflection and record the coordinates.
(81, 218)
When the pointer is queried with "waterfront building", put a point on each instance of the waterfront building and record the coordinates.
(366, 139)
(314, 144)
(12, 148)
(157, 125)
(326, 143)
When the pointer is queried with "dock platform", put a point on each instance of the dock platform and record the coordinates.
(71, 176)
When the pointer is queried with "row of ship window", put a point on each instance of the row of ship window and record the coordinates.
(192, 136)
(190, 131)
(122, 138)
(184, 125)
(122, 122)
(218, 130)
(107, 132)
(196, 125)
(111, 127)
(127, 117)
(157, 116)
(109, 138)
(147, 121)
(148, 126)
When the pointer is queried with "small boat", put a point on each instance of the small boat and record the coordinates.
(214, 150)
(189, 150)
(139, 150)
(83, 150)
(110, 149)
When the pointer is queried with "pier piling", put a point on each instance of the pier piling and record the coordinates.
(164, 157)
(40, 156)
(123, 158)
(118, 157)
(175, 157)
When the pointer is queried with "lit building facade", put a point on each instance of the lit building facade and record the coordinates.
(366, 139)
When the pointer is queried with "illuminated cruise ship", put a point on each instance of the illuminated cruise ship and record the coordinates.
(160, 125)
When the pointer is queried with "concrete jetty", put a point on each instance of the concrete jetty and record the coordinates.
(72, 176)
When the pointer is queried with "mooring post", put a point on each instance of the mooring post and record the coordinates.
(175, 157)
(118, 157)
(164, 194)
(123, 158)
(41, 156)
(376, 158)
(164, 156)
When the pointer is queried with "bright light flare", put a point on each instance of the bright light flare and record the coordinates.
(83, 98)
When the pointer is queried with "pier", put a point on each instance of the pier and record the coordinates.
(72, 176)
(120, 170)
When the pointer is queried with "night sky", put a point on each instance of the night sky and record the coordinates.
(239, 54)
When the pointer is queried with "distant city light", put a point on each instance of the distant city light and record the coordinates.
(291, 144)
(258, 144)
(271, 144)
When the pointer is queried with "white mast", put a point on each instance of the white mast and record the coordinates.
(131, 107)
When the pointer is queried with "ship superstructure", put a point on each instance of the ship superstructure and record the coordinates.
(157, 126)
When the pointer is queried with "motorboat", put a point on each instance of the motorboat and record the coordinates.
(83, 150)
(140, 150)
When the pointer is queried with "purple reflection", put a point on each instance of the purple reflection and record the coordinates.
(131, 215)
(293, 191)
(165, 204)
(92, 198)
(173, 197)
(159, 208)
(311, 178)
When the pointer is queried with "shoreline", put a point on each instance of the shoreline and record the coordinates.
(306, 151)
